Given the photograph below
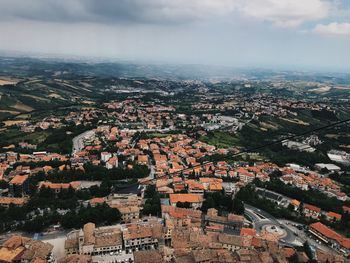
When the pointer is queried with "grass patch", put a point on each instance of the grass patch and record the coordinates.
(220, 139)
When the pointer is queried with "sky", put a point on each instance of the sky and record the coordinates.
(296, 34)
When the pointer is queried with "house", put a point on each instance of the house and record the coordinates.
(16, 201)
(105, 156)
(142, 159)
(112, 163)
(248, 232)
(346, 209)
(295, 203)
(230, 242)
(19, 185)
(142, 236)
(311, 211)
(25, 250)
(195, 200)
(330, 237)
(94, 241)
(244, 175)
(129, 213)
(328, 167)
(332, 216)
(97, 201)
(194, 187)
(58, 187)
(230, 224)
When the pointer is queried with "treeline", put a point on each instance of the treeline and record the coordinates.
(223, 203)
(99, 173)
(23, 218)
(152, 204)
(247, 194)
(60, 140)
(312, 196)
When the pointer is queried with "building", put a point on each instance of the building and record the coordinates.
(311, 211)
(230, 242)
(112, 163)
(328, 166)
(142, 236)
(94, 241)
(330, 237)
(105, 156)
(142, 159)
(195, 200)
(58, 187)
(230, 224)
(129, 213)
(19, 185)
(16, 201)
(25, 250)
(332, 216)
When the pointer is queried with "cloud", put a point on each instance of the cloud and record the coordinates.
(340, 29)
(115, 11)
(281, 13)
(286, 13)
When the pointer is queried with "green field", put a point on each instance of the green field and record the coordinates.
(221, 139)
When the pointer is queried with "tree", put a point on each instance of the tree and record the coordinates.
(183, 204)
(238, 206)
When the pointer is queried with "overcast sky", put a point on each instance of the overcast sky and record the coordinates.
(267, 33)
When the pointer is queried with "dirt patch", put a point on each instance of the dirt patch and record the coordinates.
(55, 96)
(37, 98)
(8, 82)
(10, 111)
(22, 107)
(268, 126)
(296, 121)
(342, 88)
(13, 122)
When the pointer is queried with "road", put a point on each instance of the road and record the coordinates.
(261, 218)
(294, 236)
(304, 236)
(78, 141)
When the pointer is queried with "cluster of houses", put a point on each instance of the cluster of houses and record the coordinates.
(258, 104)
(312, 180)
(25, 250)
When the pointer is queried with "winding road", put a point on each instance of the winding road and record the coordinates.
(260, 219)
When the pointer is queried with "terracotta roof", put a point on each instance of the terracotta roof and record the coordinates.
(97, 200)
(333, 215)
(248, 231)
(346, 209)
(326, 231)
(312, 208)
(288, 251)
(74, 185)
(295, 202)
(147, 256)
(191, 198)
(10, 255)
(19, 179)
(76, 259)
(178, 212)
(12, 200)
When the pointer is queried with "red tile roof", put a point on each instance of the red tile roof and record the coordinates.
(19, 179)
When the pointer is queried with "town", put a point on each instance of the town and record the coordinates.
(136, 180)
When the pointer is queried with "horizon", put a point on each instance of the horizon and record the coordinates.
(281, 34)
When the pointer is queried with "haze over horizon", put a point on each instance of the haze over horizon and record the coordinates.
(312, 34)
